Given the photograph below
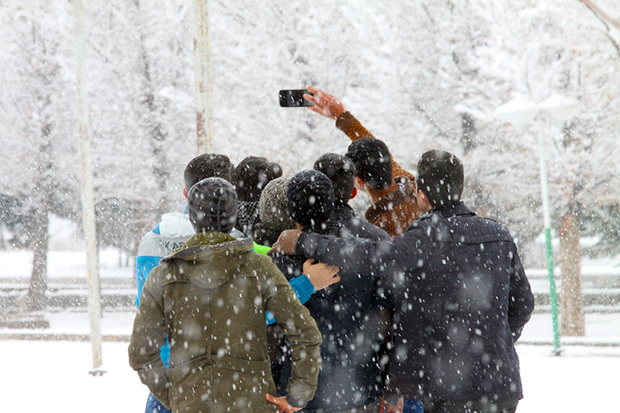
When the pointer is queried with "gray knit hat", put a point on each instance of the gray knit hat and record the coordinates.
(272, 208)
(310, 197)
(212, 205)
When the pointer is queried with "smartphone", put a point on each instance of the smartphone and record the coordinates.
(294, 98)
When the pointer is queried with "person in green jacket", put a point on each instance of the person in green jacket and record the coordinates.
(209, 298)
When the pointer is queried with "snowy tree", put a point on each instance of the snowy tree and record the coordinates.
(38, 118)
(140, 118)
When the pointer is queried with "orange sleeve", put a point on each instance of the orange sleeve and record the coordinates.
(352, 127)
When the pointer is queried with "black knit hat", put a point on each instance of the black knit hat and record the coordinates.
(310, 197)
(212, 205)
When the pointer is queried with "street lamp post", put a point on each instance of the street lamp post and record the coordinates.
(519, 112)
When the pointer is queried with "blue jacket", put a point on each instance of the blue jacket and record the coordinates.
(460, 296)
(170, 234)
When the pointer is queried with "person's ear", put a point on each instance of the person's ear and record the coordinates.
(423, 202)
(185, 193)
(354, 192)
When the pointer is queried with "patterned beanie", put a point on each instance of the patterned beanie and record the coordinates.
(247, 217)
(272, 208)
(212, 205)
(310, 197)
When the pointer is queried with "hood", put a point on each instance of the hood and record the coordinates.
(175, 224)
(208, 259)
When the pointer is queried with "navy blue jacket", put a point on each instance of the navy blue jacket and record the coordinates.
(354, 227)
(460, 296)
(354, 326)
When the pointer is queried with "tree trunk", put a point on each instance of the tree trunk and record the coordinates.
(573, 321)
(36, 299)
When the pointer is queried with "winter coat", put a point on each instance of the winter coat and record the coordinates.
(350, 317)
(461, 299)
(210, 299)
(399, 208)
(396, 210)
(354, 227)
(170, 234)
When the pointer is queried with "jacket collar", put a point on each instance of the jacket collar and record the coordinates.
(447, 211)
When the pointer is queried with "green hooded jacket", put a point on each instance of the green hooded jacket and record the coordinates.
(209, 298)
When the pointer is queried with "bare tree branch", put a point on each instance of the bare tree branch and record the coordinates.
(607, 20)
(601, 14)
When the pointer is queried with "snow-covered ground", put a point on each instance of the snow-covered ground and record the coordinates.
(54, 375)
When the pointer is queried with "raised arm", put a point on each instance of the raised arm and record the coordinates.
(329, 106)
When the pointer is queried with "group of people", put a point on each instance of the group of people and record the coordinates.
(268, 293)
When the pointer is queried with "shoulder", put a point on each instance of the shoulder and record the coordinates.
(165, 273)
(172, 235)
(491, 226)
(257, 264)
(358, 228)
(149, 244)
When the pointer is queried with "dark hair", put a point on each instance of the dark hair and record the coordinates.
(310, 198)
(207, 165)
(341, 171)
(212, 205)
(440, 177)
(372, 161)
(251, 176)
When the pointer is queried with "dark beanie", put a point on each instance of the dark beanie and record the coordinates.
(310, 197)
(212, 205)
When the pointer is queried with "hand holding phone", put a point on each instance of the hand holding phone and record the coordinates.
(294, 98)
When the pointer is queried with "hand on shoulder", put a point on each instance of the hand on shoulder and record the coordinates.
(286, 242)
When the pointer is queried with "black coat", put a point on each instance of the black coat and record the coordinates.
(355, 227)
(461, 299)
(352, 320)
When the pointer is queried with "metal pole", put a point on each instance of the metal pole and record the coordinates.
(549, 248)
(88, 204)
(203, 79)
